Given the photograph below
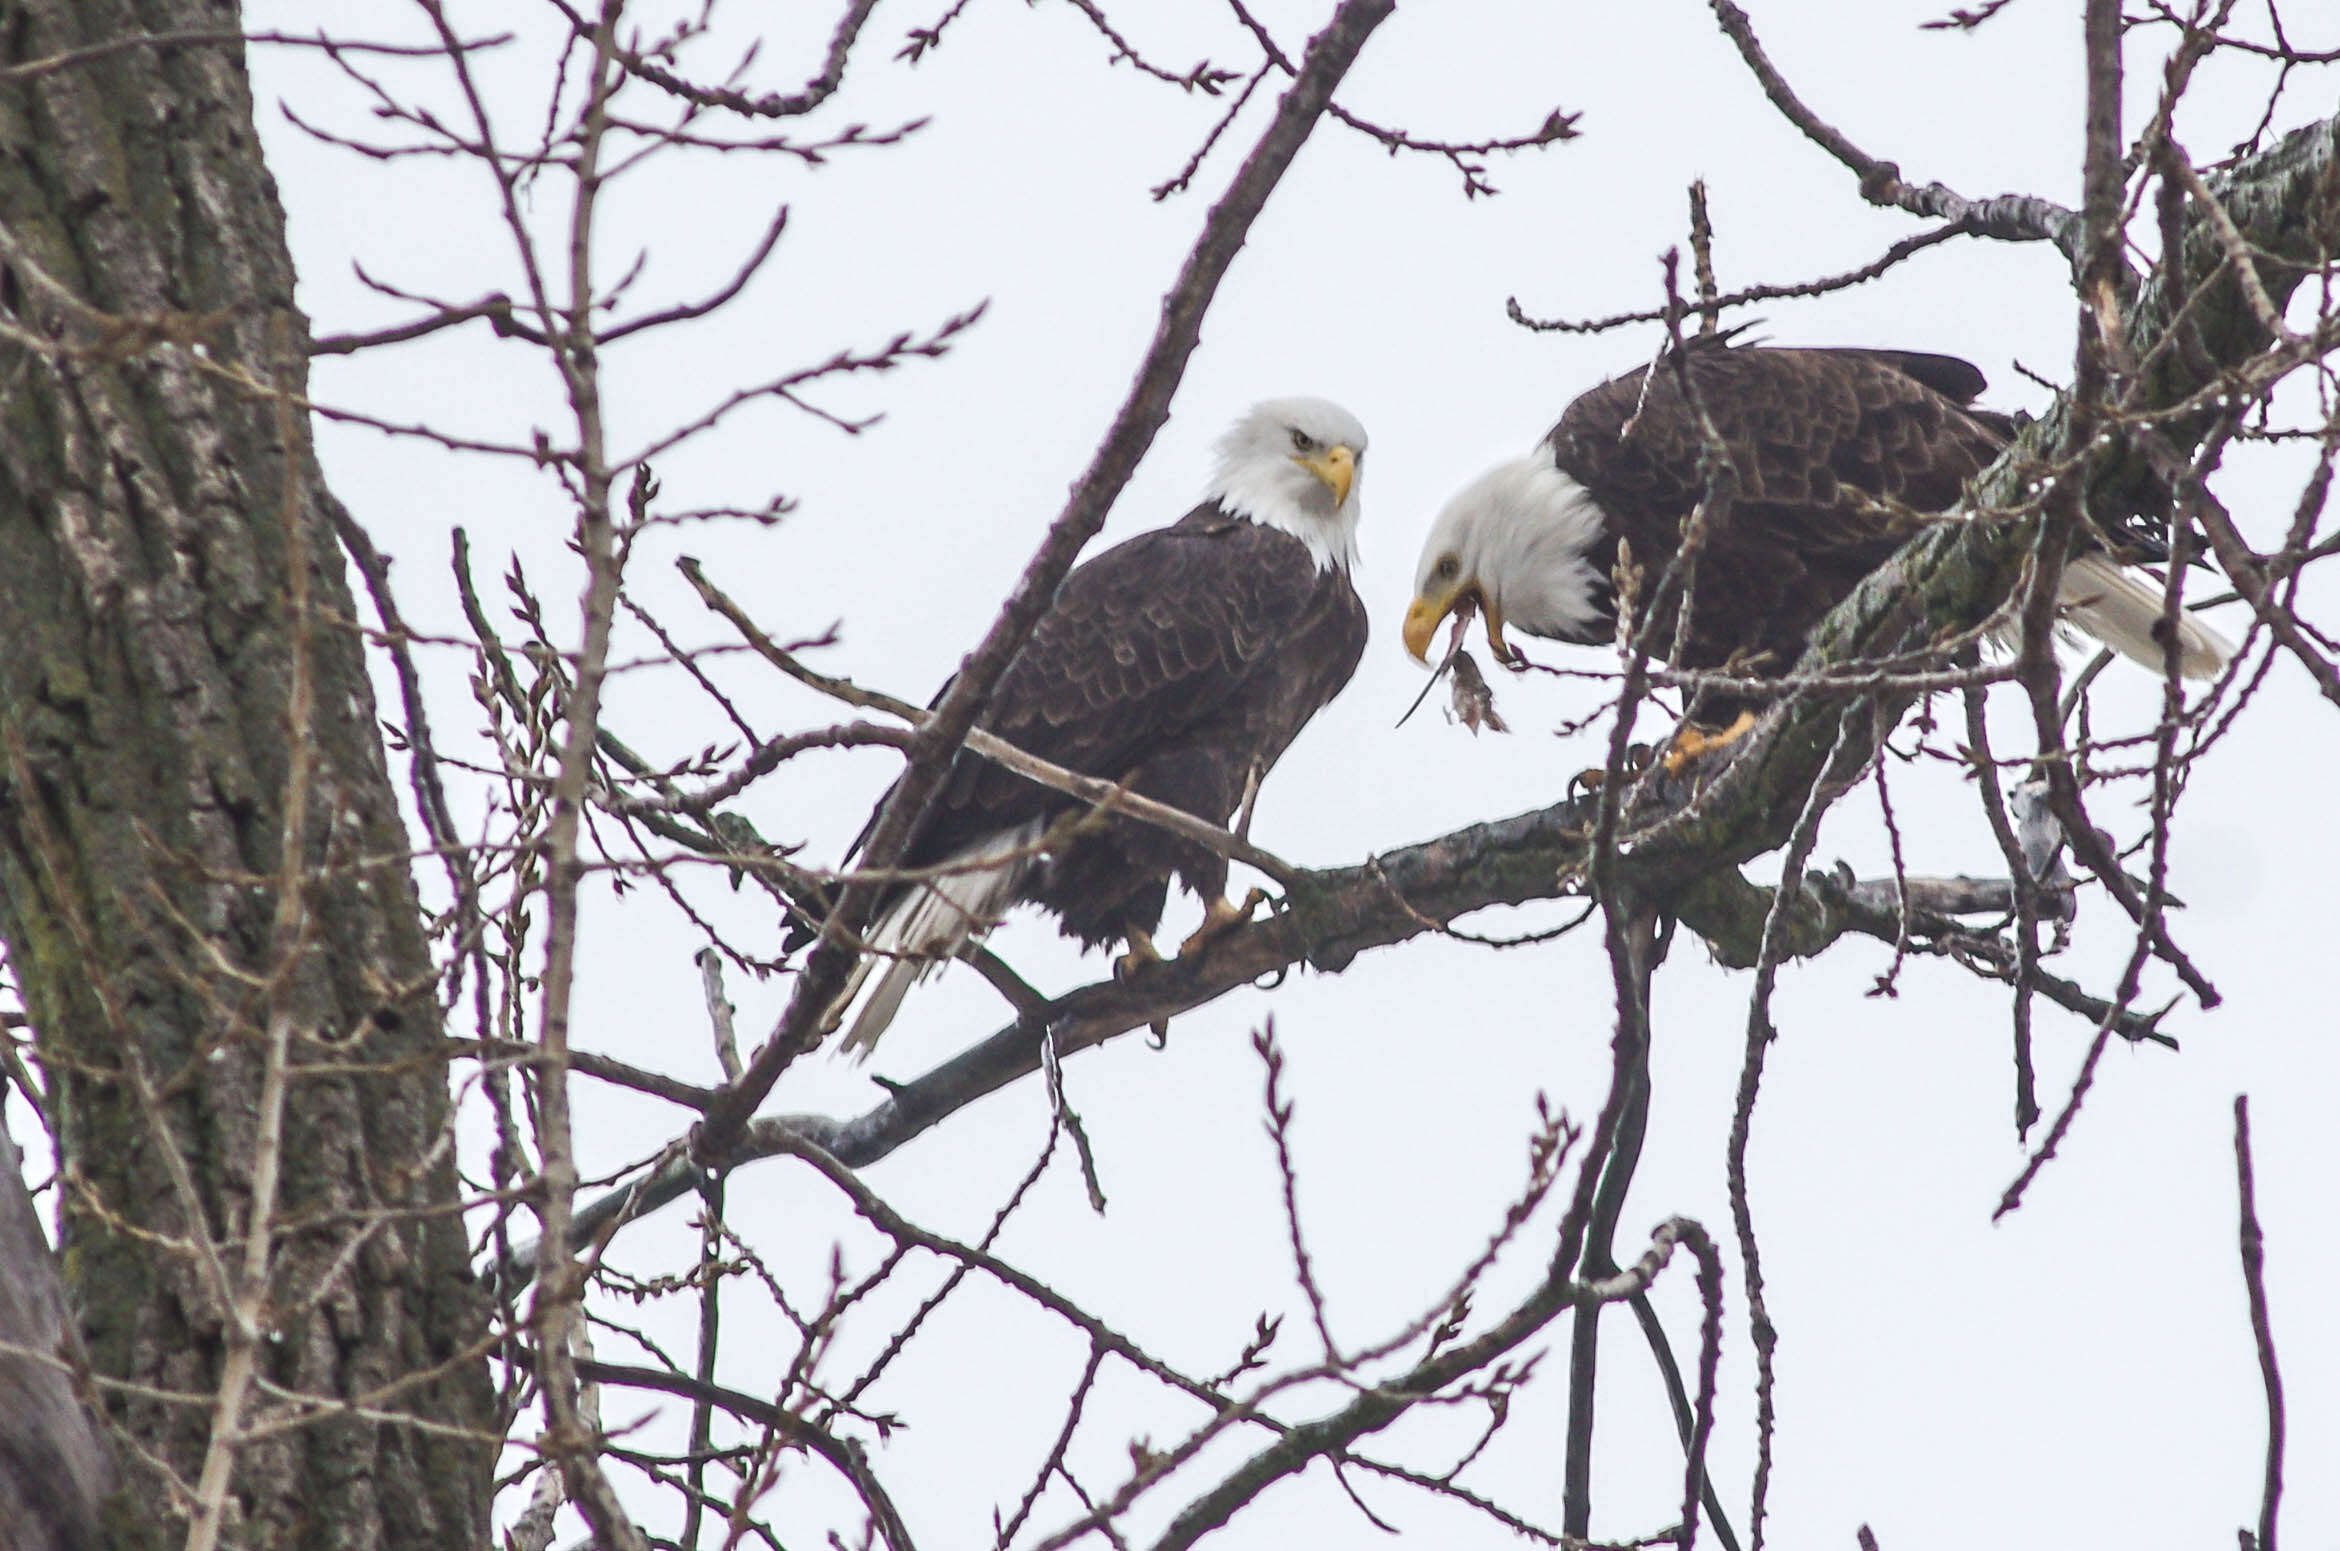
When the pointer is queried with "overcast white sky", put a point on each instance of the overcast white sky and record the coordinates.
(2079, 1375)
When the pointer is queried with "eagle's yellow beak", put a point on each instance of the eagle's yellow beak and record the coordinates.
(1337, 467)
(1427, 612)
(1423, 617)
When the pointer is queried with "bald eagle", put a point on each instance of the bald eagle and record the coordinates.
(1841, 456)
(1182, 662)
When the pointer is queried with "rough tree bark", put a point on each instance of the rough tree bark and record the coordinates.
(158, 672)
(54, 1465)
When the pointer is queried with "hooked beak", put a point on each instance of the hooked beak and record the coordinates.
(1337, 467)
(1427, 612)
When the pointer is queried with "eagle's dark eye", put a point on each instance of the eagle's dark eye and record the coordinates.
(1302, 441)
(1448, 566)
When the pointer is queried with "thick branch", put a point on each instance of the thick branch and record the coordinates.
(1329, 918)
(1944, 582)
(1142, 414)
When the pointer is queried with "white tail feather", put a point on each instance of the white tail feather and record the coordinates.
(2122, 609)
(929, 924)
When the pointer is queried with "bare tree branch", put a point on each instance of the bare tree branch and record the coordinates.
(2254, 1265)
(2008, 217)
(1142, 414)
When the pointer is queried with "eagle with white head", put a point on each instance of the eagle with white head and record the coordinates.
(1181, 663)
(1841, 456)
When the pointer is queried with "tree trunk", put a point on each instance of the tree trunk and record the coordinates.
(182, 700)
(54, 1464)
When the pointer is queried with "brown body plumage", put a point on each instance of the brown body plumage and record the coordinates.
(1180, 691)
(1180, 664)
(1840, 456)
(1839, 453)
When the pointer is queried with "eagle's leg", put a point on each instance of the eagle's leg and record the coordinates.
(1690, 744)
(1219, 918)
(1694, 743)
(1141, 953)
(1586, 782)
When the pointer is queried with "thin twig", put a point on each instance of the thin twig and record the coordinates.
(2254, 1264)
(1142, 414)
(2009, 217)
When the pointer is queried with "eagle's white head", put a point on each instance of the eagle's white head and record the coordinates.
(1297, 465)
(1514, 542)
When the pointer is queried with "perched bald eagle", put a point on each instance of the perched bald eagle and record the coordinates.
(1841, 456)
(1182, 662)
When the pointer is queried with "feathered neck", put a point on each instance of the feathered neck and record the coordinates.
(1282, 495)
(1525, 530)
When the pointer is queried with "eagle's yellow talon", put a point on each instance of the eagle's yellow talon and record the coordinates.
(1250, 623)
(1142, 952)
(1693, 743)
(1220, 918)
(1571, 541)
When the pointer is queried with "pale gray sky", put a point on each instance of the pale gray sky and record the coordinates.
(2079, 1375)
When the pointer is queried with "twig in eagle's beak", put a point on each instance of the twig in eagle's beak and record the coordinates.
(1463, 610)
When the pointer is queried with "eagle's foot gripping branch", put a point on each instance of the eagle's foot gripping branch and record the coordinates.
(1220, 918)
(1142, 952)
(1689, 745)
(1694, 742)
(1141, 955)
